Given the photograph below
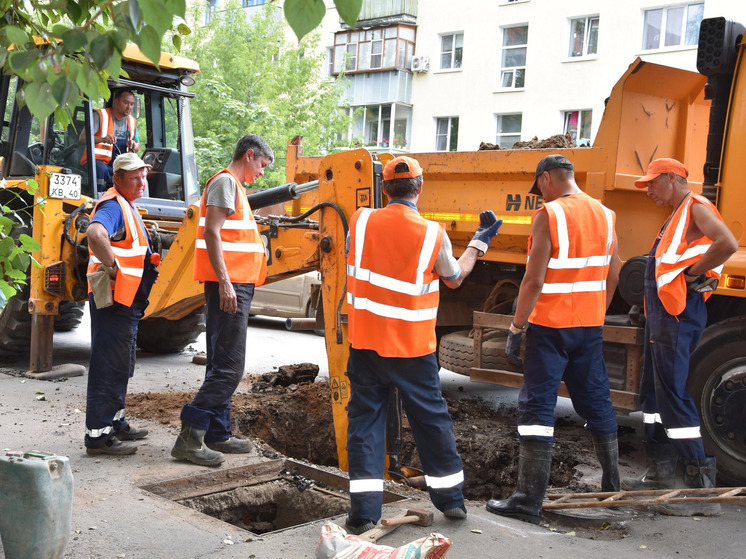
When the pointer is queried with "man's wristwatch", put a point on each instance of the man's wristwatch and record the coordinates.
(689, 278)
(515, 330)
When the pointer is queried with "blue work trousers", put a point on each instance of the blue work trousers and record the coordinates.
(572, 355)
(669, 412)
(113, 344)
(371, 377)
(210, 410)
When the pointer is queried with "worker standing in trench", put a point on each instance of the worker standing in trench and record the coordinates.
(571, 275)
(230, 259)
(683, 269)
(394, 260)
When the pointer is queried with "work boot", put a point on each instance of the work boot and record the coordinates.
(607, 452)
(190, 445)
(534, 465)
(113, 447)
(698, 474)
(359, 525)
(131, 433)
(231, 445)
(660, 469)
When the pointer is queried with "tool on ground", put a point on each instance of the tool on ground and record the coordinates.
(421, 517)
(650, 497)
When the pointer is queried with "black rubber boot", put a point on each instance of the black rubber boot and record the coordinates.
(698, 474)
(190, 445)
(660, 469)
(607, 452)
(534, 465)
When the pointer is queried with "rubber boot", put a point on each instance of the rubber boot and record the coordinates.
(190, 445)
(607, 452)
(698, 474)
(534, 465)
(660, 469)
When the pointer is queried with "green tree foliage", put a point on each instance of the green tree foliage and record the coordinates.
(253, 80)
(305, 15)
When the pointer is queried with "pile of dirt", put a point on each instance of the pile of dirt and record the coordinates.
(294, 419)
(557, 141)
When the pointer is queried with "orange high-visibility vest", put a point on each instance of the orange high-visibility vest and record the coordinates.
(104, 152)
(574, 290)
(392, 290)
(129, 252)
(243, 247)
(674, 255)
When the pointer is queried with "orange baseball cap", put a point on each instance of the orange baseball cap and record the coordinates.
(659, 167)
(413, 168)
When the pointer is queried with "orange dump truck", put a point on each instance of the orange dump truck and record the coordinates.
(653, 111)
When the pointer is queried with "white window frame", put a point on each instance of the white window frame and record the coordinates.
(501, 137)
(584, 123)
(512, 75)
(455, 54)
(588, 29)
(449, 137)
(666, 12)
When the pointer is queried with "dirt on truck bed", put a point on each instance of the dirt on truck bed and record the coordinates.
(289, 413)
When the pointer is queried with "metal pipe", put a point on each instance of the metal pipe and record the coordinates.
(280, 194)
(300, 324)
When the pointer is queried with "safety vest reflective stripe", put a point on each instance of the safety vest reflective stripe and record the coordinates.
(103, 152)
(651, 418)
(366, 485)
(684, 433)
(576, 287)
(535, 431)
(386, 282)
(445, 482)
(233, 223)
(235, 247)
(388, 311)
(96, 433)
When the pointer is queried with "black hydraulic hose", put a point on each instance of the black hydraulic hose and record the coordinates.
(66, 228)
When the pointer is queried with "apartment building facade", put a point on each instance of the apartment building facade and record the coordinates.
(443, 76)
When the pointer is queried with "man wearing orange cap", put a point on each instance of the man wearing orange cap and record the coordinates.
(395, 258)
(683, 268)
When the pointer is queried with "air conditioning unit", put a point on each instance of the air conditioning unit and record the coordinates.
(420, 64)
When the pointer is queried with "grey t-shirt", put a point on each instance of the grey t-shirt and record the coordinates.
(121, 132)
(222, 193)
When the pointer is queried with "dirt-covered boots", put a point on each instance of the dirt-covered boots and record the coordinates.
(190, 445)
(660, 469)
(698, 474)
(607, 452)
(534, 465)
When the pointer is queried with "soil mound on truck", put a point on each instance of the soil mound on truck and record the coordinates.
(288, 412)
(557, 141)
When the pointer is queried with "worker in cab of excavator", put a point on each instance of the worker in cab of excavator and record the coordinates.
(571, 275)
(395, 259)
(683, 270)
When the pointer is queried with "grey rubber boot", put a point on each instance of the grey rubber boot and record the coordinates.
(534, 466)
(607, 452)
(698, 474)
(660, 469)
(190, 445)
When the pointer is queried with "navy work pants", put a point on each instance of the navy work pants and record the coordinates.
(572, 355)
(371, 377)
(113, 343)
(669, 412)
(210, 410)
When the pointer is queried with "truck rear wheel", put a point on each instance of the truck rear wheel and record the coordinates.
(15, 325)
(160, 335)
(69, 316)
(456, 352)
(717, 382)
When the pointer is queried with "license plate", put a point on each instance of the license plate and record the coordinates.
(64, 187)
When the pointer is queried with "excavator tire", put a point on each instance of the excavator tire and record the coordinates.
(69, 316)
(160, 335)
(15, 325)
(456, 352)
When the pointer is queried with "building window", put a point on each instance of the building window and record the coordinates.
(672, 27)
(212, 5)
(451, 50)
(583, 36)
(508, 129)
(373, 49)
(250, 3)
(578, 125)
(446, 134)
(515, 45)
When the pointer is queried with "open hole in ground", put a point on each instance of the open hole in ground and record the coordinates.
(265, 497)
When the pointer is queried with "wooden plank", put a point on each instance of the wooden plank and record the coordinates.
(651, 497)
